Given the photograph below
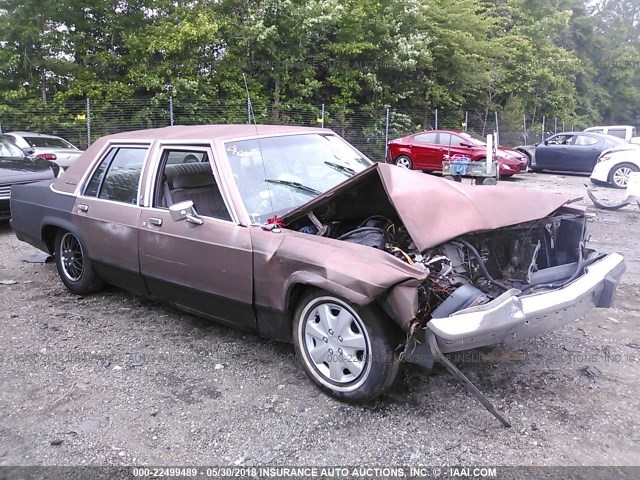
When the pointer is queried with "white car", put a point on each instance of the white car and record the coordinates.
(621, 131)
(46, 147)
(614, 167)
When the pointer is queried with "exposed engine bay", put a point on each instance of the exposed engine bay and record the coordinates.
(476, 268)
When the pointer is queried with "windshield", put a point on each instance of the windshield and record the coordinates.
(277, 174)
(48, 142)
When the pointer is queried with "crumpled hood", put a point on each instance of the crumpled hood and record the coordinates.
(435, 210)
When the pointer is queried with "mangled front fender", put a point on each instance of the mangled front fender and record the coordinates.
(285, 259)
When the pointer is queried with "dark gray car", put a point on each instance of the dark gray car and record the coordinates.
(15, 169)
(572, 151)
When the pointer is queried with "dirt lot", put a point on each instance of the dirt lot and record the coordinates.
(140, 383)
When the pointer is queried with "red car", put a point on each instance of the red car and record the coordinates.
(426, 151)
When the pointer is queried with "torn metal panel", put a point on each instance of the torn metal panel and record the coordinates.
(358, 273)
(600, 203)
(402, 304)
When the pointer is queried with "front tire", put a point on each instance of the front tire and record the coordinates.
(404, 162)
(619, 176)
(74, 267)
(346, 350)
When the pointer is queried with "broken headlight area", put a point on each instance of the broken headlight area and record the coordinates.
(476, 268)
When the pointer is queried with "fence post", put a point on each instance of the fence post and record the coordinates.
(436, 123)
(88, 121)
(497, 129)
(322, 117)
(171, 110)
(524, 128)
(386, 134)
(0, 128)
(544, 120)
(248, 109)
(466, 120)
(555, 125)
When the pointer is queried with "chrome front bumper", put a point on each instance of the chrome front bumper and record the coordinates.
(510, 318)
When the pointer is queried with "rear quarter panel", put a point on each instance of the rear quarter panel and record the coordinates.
(34, 207)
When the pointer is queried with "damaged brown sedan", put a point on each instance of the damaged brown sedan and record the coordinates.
(294, 234)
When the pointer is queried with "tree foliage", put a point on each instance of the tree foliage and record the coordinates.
(576, 59)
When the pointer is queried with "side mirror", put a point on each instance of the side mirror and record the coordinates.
(546, 142)
(468, 145)
(29, 151)
(185, 211)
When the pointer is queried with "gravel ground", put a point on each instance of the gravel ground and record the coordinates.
(121, 380)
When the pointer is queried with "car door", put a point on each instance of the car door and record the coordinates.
(450, 144)
(205, 269)
(426, 152)
(584, 152)
(107, 215)
(552, 153)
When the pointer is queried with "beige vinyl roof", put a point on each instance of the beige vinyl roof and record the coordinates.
(67, 183)
(200, 132)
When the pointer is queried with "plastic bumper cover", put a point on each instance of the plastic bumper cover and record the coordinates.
(510, 318)
(601, 172)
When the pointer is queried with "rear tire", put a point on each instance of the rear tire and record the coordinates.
(346, 350)
(74, 267)
(404, 162)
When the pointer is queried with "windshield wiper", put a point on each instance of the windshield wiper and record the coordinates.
(296, 185)
(349, 172)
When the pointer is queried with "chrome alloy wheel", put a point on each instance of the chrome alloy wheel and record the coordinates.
(403, 162)
(621, 176)
(72, 257)
(336, 344)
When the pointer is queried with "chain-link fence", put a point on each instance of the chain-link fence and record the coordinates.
(369, 129)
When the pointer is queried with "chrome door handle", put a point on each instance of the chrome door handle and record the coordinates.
(155, 221)
(83, 208)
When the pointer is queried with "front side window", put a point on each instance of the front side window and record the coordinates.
(186, 175)
(118, 175)
(447, 140)
(560, 140)
(277, 174)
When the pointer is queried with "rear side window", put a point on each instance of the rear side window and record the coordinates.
(118, 175)
(425, 138)
(48, 142)
(8, 149)
(618, 132)
(584, 140)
